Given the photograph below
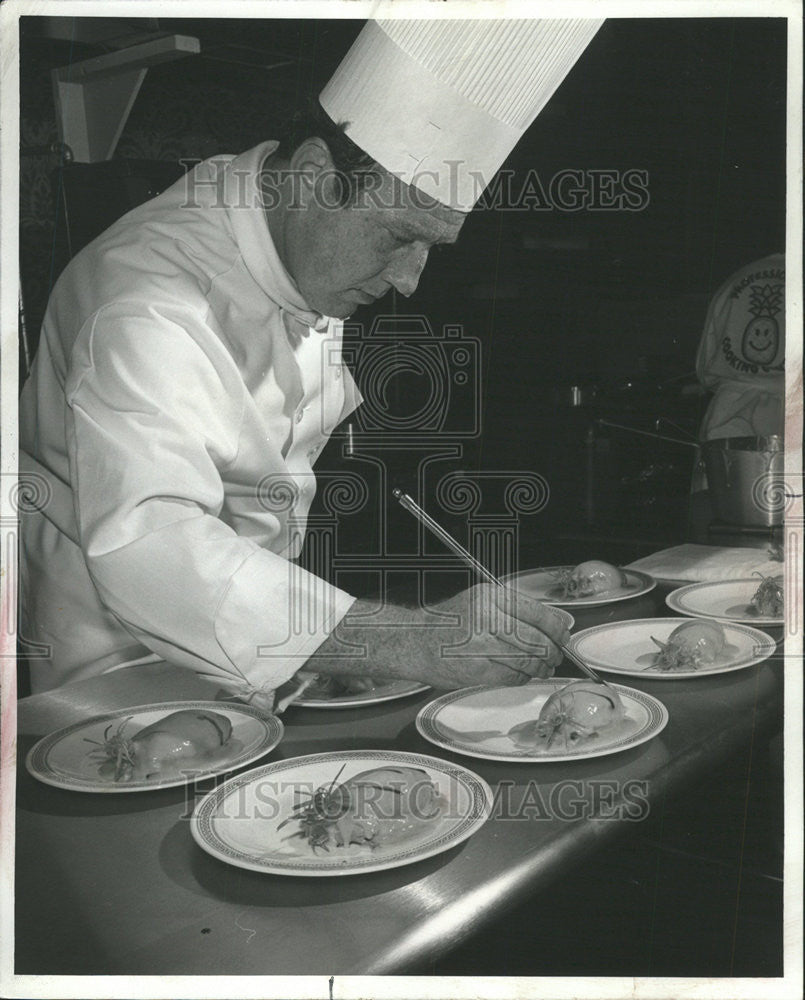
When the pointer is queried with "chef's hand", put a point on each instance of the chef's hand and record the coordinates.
(484, 635)
(497, 637)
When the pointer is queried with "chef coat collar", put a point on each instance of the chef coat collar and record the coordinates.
(244, 204)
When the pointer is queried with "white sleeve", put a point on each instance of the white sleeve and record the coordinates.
(153, 418)
(710, 343)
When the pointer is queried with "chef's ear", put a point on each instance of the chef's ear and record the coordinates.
(313, 164)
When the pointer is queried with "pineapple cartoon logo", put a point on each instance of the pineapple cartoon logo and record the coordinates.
(762, 334)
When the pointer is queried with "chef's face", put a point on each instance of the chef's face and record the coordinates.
(344, 257)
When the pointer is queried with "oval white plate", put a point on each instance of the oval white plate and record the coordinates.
(385, 692)
(63, 758)
(625, 648)
(239, 822)
(475, 722)
(541, 584)
(724, 600)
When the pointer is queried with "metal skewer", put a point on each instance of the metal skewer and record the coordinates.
(650, 434)
(467, 557)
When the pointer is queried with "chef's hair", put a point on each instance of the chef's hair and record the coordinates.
(353, 166)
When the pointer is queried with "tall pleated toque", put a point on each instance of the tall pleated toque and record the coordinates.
(442, 103)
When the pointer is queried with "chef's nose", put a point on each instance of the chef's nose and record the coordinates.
(404, 271)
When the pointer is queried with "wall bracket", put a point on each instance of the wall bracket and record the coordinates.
(94, 97)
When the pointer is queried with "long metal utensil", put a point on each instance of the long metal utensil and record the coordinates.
(468, 558)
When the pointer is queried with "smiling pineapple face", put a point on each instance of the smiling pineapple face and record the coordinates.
(761, 338)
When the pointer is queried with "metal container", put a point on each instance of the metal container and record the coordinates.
(574, 396)
(744, 476)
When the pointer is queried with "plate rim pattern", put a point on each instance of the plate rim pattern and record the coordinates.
(647, 581)
(481, 804)
(760, 638)
(347, 701)
(37, 765)
(657, 719)
(689, 588)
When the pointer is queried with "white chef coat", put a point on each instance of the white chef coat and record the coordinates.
(180, 395)
(741, 354)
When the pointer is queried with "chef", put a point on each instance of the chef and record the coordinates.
(189, 372)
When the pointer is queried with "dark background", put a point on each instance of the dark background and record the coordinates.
(610, 302)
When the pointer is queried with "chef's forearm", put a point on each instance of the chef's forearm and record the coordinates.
(243, 614)
(372, 643)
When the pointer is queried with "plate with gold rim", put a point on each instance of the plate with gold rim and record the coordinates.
(543, 584)
(488, 722)
(398, 808)
(630, 648)
(721, 600)
(68, 758)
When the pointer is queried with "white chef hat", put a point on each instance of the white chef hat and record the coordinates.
(441, 103)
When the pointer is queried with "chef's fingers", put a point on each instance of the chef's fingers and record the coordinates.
(505, 611)
(494, 623)
(525, 643)
(528, 609)
(521, 671)
(498, 634)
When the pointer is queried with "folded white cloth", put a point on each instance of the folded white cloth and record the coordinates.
(271, 700)
(708, 562)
